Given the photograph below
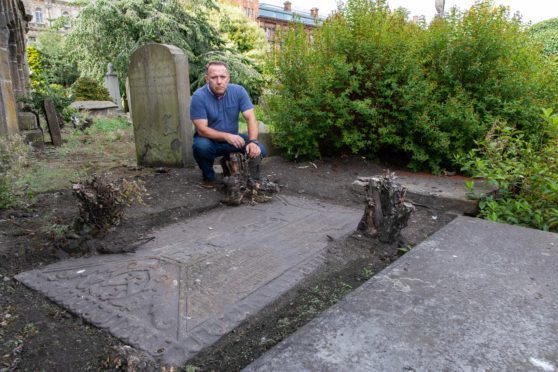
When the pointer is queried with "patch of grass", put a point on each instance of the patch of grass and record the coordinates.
(44, 176)
(108, 143)
(109, 126)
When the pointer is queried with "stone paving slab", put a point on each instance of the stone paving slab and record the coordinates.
(476, 296)
(197, 280)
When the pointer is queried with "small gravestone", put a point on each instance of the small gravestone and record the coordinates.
(53, 124)
(111, 83)
(160, 100)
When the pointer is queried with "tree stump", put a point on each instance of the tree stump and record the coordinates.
(386, 212)
(242, 181)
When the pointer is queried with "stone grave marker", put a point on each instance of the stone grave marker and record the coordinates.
(111, 83)
(53, 124)
(475, 296)
(160, 100)
(198, 280)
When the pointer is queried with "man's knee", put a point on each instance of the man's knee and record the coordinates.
(203, 146)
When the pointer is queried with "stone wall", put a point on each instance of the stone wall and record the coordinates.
(14, 75)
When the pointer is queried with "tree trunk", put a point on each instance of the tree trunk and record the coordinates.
(386, 212)
(242, 181)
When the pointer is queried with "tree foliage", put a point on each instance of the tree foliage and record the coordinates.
(245, 47)
(546, 32)
(58, 65)
(373, 83)
(111, 30)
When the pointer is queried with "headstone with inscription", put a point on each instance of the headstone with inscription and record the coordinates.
(160, 100)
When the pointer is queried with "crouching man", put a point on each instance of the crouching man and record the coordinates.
(214, 111)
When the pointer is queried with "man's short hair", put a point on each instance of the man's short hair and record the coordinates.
(215, 63)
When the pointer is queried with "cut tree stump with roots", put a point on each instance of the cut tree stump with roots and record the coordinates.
(242, 181)
(386, 212)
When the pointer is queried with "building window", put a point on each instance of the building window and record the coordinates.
(66, 16)
(39, 16)
(269, 33)
(249, 12)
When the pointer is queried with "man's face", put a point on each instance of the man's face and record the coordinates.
(218, 78)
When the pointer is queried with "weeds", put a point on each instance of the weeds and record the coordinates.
(367, 272)
(14, 157)
(56, 230)
(524, 170)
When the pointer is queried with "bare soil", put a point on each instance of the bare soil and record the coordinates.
(38, 335)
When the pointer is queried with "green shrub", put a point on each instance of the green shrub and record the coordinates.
(525, 171)
(88, 89)
(60, 96)
(43, 87)
(373, 83)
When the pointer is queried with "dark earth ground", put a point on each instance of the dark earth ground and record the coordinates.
(38, 335)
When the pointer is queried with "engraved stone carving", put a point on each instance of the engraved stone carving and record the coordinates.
(190, 285)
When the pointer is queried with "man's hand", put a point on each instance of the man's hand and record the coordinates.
(235, 140)
(253, 150)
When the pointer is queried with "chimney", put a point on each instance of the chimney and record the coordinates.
(287, 6)
(314, 12)
(415, 19)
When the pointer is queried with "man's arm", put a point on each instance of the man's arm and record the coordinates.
(205, 131)
(252, 149)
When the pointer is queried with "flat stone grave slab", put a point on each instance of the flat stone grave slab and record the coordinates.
(475, 296)
(199, 279)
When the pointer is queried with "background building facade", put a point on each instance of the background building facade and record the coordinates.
(44, 12)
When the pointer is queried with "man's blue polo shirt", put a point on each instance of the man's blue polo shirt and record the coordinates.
(221, 113)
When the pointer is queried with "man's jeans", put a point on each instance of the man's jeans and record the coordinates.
(206, 150)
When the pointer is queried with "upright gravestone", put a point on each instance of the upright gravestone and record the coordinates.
(111, 83)
(53, 123)
(160, 99)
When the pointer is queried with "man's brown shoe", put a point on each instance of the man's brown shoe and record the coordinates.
(206, 184)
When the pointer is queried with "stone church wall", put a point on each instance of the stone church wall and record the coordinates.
(14, 73)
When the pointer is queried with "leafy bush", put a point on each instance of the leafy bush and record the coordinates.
(373, 83)
(14, 155)
(43, 87)
(60, 96)
(525, 171)
(88, 89)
